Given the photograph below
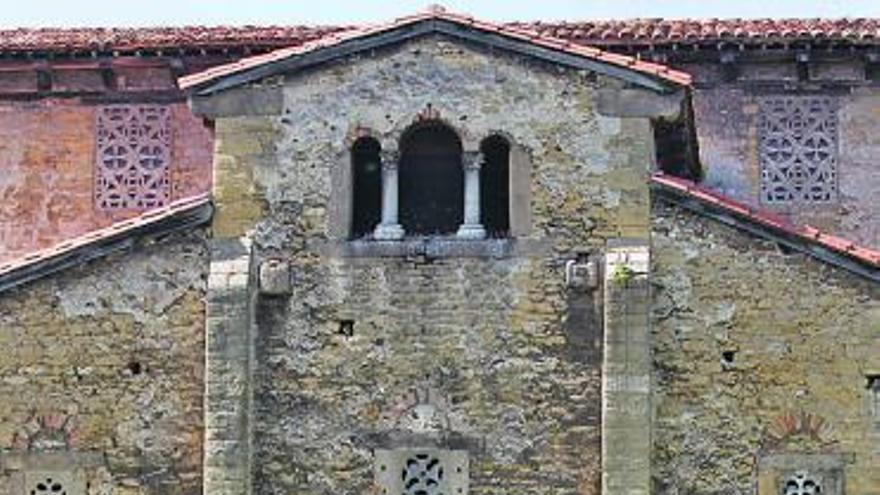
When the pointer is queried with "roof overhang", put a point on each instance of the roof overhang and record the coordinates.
(180, 215)
(648, 75)
(827, 248)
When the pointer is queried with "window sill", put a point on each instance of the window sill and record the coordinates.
(429, 247)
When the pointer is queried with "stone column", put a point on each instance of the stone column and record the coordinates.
(389, 228)
(626, 371)
(472, 228)
(228, 369)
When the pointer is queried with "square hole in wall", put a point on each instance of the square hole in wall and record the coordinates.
(421, 472)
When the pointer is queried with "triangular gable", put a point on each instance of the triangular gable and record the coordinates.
(563, 52)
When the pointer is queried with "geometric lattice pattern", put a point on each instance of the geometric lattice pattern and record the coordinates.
(801, 484)
(133, 154)
(421, 472)
(422, 475)
(48, 486)
(798, 149)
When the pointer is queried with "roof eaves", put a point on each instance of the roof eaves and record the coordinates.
(830, 249)
(180, 215)
(651, 75)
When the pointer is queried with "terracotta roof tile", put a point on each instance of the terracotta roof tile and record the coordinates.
(69, 245)
(769, 219)
(611, 32)
(535, 37)
(709, 30)
(105, 40)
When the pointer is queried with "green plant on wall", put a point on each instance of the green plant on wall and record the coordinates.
(622, 274)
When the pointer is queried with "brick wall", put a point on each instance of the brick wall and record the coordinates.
(727, 124)
(47, 154)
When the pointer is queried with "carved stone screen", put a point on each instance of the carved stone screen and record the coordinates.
(421, 472)
(52, 483)
(798, 149)
(132, 157)
(801, 483)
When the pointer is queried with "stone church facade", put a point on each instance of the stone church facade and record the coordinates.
(443, 256)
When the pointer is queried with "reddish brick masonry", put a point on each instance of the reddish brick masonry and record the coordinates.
(47, 154)
(134, 222)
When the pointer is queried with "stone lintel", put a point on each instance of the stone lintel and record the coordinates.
(245, 101)
(638, 103)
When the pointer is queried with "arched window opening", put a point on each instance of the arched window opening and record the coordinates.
(366, 167)
(431, 180)
(495, 186)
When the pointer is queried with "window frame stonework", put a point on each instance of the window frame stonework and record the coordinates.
(133, 146)
(776, 471)
(348, 242)
(798, 149)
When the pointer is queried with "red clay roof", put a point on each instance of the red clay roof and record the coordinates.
(70, 245)
(599, 33)
(768, 219)
(129, 40)
(659, 31)
(659, 71)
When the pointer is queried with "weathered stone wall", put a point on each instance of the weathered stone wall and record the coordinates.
(726, 118)
(503, 355)
(47, 155)
(759, 356)
(103, 370)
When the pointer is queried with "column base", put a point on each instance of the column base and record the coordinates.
(390, 232)
(471, 231)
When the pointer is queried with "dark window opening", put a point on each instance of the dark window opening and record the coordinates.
(495, 186)
(872, 71)
(367, 186)
(676, 145)
(431, 181)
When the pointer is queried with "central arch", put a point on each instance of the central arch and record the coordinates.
(431, 180)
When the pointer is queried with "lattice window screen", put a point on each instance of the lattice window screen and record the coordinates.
(421, 472)
(132, 157)
(798, 149)
(802, 483)
(53, 483)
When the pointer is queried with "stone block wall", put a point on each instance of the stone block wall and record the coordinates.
(475, 348)
(102, 374)
(762, 362)
(47, 154)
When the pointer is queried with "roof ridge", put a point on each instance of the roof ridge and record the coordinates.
(546, 41)
(589, 31)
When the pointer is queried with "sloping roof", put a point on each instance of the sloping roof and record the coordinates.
(660, 31)
(654, 76)
(598, 33)
(180, 215)
(806, 239)
(129, 40)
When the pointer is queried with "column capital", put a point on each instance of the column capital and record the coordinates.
(472, 160)
(390, 159)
